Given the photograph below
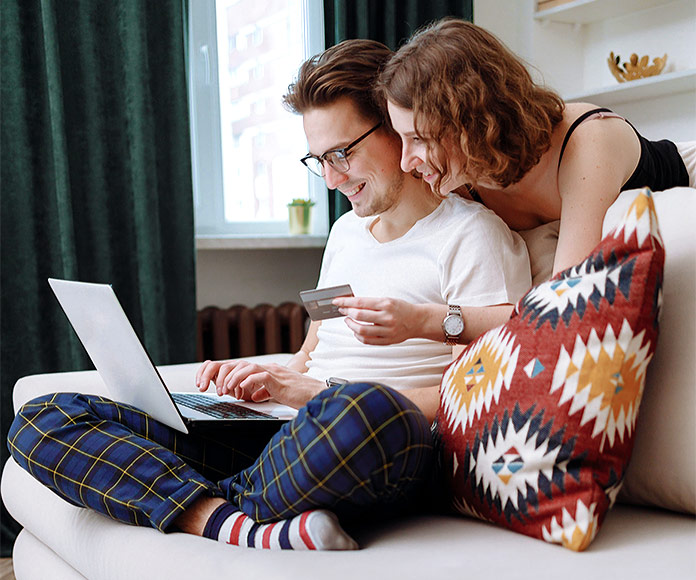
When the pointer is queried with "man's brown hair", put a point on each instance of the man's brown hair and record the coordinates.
(466, 88)
(349, 69)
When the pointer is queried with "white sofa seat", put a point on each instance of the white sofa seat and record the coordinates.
(63, 541)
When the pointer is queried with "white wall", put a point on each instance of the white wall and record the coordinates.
(572, 59)
(669, 29)
(250, 277)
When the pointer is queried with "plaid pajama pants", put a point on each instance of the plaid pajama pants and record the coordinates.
(356, 446)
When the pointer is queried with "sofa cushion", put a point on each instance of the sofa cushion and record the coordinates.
(662, 471)
(537, 417)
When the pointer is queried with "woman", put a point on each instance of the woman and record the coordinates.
(473, 121)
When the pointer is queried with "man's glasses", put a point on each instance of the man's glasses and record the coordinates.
(336, 158)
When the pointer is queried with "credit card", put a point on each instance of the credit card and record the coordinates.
(319, 302)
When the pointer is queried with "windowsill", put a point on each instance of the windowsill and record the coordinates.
(258, 242)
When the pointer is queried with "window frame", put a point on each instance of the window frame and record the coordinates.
(206, 136)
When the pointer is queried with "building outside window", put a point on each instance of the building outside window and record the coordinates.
(246, 146)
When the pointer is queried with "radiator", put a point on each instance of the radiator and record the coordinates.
(241, 331)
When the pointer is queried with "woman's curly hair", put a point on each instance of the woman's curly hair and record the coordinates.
(465, 87)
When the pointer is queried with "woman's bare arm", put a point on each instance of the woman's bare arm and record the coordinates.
(599, 159)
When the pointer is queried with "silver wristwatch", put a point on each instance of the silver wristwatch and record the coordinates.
(453, 325)
(332, 382)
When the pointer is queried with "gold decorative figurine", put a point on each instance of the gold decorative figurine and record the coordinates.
(635, 68)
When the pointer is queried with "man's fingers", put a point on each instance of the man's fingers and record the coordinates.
(199, 371)
(368, 316)
(198, 378)
(231, 377)
(260, 395)
(359, 302)
(349, 302)
(206, 373)
(375, 340)
(254, 383)
(364, 329)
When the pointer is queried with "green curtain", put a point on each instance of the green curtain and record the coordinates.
(96, 180)
(389, 21)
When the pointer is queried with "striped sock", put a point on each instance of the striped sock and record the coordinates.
(311, 530)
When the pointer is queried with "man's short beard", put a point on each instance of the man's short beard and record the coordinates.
(385, 202)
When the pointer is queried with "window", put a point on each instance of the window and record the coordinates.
(246, 146)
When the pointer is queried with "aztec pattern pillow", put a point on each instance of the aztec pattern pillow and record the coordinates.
(537, 417)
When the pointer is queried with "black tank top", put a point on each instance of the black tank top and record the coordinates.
(660, 166)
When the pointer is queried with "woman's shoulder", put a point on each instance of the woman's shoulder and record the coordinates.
(575, 114)
(573, 111)
(587, 124)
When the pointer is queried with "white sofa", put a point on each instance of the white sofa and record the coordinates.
(655, 540)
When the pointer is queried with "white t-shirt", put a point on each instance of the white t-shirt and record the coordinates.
(462, 253)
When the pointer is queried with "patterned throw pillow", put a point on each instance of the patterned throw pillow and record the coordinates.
(537, 416)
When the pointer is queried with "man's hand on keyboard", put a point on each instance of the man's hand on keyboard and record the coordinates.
(254, 382)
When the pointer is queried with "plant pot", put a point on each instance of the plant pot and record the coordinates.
(300, 219)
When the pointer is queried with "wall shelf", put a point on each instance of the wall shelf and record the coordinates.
(649, 88)
(586, 11)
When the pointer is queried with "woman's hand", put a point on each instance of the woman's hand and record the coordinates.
(381, 320)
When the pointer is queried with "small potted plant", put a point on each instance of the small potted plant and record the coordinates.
(300, 215)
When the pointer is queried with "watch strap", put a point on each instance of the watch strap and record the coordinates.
(453, 339)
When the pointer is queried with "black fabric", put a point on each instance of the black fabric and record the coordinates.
(660, 166)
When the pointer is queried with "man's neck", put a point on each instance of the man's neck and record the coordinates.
(416, 201)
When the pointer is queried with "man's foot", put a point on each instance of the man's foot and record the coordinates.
(311, 530)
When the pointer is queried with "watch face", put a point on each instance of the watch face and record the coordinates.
(453, 325)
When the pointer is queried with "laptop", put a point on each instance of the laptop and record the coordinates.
(130, 376)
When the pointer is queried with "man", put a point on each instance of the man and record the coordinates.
(351, 448)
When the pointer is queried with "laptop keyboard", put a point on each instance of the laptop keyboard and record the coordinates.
(217, 409)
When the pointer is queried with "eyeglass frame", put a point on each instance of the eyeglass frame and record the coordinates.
(341, 150)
